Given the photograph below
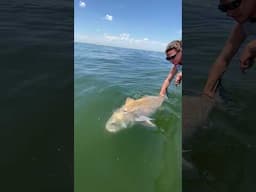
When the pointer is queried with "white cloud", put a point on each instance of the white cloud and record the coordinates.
(121, 37)
(122, 40)
(82, 4)
(108, 17)
(111, 37)
(124, 36)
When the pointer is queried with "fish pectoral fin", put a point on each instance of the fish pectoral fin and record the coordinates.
(149, 124)
(146, 121)
(143, 118)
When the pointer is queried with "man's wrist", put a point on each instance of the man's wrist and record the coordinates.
(207, 94)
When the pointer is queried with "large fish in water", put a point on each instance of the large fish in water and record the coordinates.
(134, 111)
(195, 113)
(196, 110)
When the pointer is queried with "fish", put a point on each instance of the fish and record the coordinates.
(195, 117)
(135, 111)
(196, 110)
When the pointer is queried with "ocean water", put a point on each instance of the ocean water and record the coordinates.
(37, 96)
(225, 153)
(135, 159)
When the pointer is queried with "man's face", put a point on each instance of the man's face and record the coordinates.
(174, 56)
(239, 10)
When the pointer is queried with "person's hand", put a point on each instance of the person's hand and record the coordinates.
(246, 59)
(178, 79)
(162, 94)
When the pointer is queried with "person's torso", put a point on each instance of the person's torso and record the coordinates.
(178, 67)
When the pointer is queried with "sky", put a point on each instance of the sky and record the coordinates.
(138, 24)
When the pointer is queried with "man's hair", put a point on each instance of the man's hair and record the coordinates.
(176, 44)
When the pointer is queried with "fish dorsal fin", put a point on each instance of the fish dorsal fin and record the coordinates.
(128, 100)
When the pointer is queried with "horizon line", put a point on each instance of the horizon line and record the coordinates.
(116, 46)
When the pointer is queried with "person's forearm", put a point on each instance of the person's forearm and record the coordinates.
(232, 45)
(178, 78)
(164, 87)
(167, 81)
(252, 47)
(215, 74)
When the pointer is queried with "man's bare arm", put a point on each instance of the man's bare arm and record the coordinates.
(167, 81)
(232, 45)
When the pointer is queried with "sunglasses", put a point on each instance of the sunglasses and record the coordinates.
(229, 6)
(168, 58)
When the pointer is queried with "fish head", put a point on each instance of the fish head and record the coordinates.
(120, 119)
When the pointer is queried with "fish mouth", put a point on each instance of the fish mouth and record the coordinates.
(115, 126)
(111, 128)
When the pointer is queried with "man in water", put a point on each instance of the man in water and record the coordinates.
(244, 13)
(173, 53)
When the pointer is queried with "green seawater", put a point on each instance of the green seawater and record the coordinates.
(135, 159)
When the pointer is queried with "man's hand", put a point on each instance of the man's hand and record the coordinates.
(178, 78)
(247, 57)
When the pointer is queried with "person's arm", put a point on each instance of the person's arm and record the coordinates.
(232, 45)
(252, 48)
(167, 81)
(247, 56)
(178, 78)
